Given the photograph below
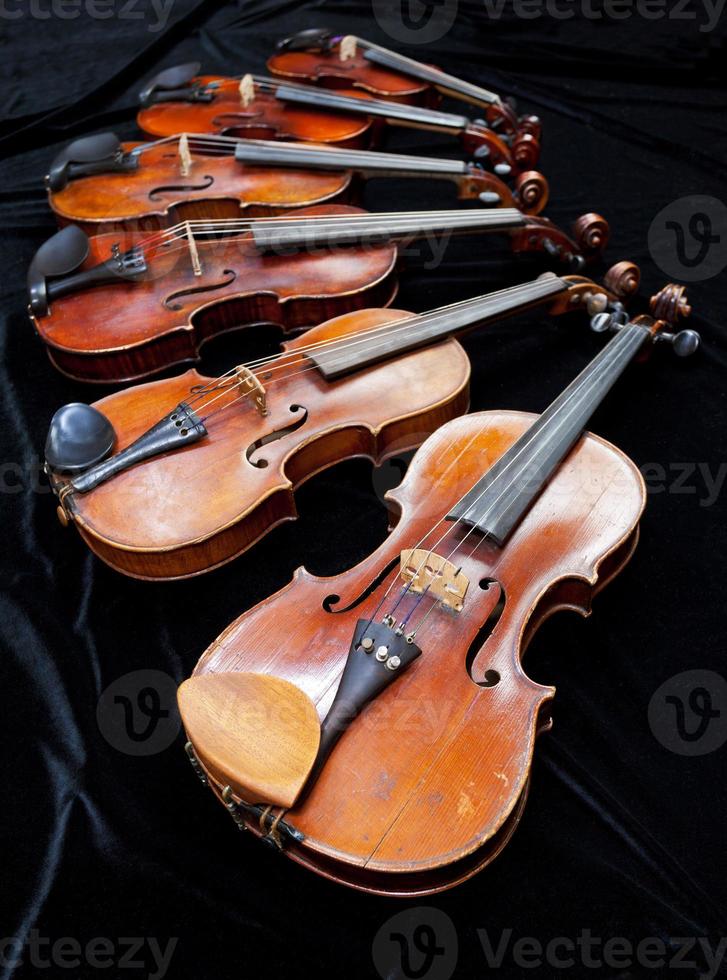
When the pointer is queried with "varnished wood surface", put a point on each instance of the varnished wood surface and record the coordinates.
(427, 783)
(166, 316)
(327, 69)
(189, 510)
(264, 118)
(217, 187)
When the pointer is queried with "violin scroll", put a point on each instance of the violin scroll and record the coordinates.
(591, 232)
(532, 191)
(525, 151)
(670, 303)
(623, 279)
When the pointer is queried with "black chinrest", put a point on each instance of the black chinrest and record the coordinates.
(61, 254)
(314, 39)
(79, 436)
(98, 149)
(176, 77)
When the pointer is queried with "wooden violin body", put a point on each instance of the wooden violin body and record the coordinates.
(173, 291)
(263, 118)
(284, 111)
(317, 57)
(162, 190)
(326, 68)
(159, 194)
(427, 784)
(166, 315)
(237, 484)
(368, 383)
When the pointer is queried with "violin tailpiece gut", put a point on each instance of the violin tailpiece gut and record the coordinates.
(426, 571)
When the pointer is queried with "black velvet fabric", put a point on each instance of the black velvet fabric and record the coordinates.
(621, 836)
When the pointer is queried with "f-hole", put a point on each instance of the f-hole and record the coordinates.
(491, 677)
(205, 182)
(301, 414)
(172, 301)
(333, 599)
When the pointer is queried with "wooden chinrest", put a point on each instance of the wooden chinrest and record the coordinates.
(256, 733)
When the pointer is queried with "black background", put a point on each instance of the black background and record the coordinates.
(620, 836)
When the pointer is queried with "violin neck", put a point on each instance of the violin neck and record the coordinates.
(498, 501)
(405, 335)
(391, 111)
(280, 154)
(440, 79)
(376, 228)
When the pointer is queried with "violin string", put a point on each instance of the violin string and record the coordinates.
(555, 423)
(228, 230)
(389, 329)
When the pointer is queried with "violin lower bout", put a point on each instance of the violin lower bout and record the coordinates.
(427, 784)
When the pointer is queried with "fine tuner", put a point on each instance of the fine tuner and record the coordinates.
(668, 305)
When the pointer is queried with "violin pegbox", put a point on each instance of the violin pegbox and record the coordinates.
(668, 306)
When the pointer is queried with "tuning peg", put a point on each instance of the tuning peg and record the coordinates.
(595, 303)
(490, 198)
(601, 322)
(482, 153)
(503, 169)
(683, 343)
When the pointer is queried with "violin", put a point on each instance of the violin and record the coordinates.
(100, 183)
(175, 477)
(257, 107)
(322, 58)
(174, 290)
(377, 726)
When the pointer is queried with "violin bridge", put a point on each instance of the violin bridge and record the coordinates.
(427, 571)
(193, 253)
(250, 384)
(247, 90)
(347, 47)
(185, 157)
